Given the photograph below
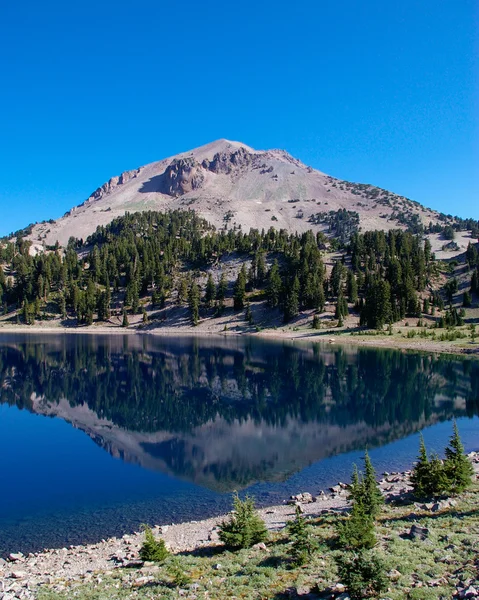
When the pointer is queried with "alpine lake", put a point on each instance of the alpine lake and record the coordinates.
(101, 433)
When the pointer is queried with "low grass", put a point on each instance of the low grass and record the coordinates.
(429, 569)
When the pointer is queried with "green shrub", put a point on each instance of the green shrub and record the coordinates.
(244, 527)
(363, 573)
(154, 550)
(303, 545)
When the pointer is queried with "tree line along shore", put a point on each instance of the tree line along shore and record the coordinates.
(145, 263)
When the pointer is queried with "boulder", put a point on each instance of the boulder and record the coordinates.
(16, 557)
(418, 533)
(18, 574)
(304, 498)
(394, 574)
(260, 546)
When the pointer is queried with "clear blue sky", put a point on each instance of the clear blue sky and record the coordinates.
(371, 91)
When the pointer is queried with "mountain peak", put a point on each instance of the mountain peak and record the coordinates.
(208, 151)
(229, 183)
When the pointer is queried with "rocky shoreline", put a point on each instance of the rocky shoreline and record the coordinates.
(21, 576)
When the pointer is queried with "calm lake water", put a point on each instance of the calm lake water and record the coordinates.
(99, 434)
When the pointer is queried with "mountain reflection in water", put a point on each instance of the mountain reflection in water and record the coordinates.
(225, 413)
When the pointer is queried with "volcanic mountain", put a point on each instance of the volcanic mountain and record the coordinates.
(229, 183)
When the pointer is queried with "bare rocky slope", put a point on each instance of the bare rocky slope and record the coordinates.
(229, 183)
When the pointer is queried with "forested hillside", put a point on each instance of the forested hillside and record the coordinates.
(144, 262)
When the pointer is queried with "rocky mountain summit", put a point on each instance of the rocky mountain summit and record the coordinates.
(231, 184)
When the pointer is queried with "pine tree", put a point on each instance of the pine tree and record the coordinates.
(194, 303)
(291, 306)
(320, 298)
(274, 285)
(457, 467)
(337, 276)
(153, 550)
(377, 308)
(372, 496)
(210, 291)
(102, 306)
(439, 482)
(365, 489)
(222, 289)
(135, 298)
(420, 476)
(240, 289)
(428, 478)
(125, 321)
(341, 307)
(356, 531)
(364, 574)
(352, 287)
(63, 306)
(260, 268)
(355, 487)
(182, 290)
(301, 534)
(244, 527)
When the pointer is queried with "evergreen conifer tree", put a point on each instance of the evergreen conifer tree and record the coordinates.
(352, 287)
(240, 289)
(194, 303)
(291, 307)
(210, 291)
(356, 531)
(63, 306)
(221, 291)
(303, 545)
(372, 496)
(274, 285)
(420, 476)
(364, 574)
(457, 467)
(244, 527)
(153, 550)
(182, 290)
(428, 477)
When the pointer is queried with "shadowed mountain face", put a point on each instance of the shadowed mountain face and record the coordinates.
(228, 413)
(229, 182)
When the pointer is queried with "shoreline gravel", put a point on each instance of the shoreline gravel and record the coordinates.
(21, 575)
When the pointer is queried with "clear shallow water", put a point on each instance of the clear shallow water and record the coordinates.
(99, 434)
